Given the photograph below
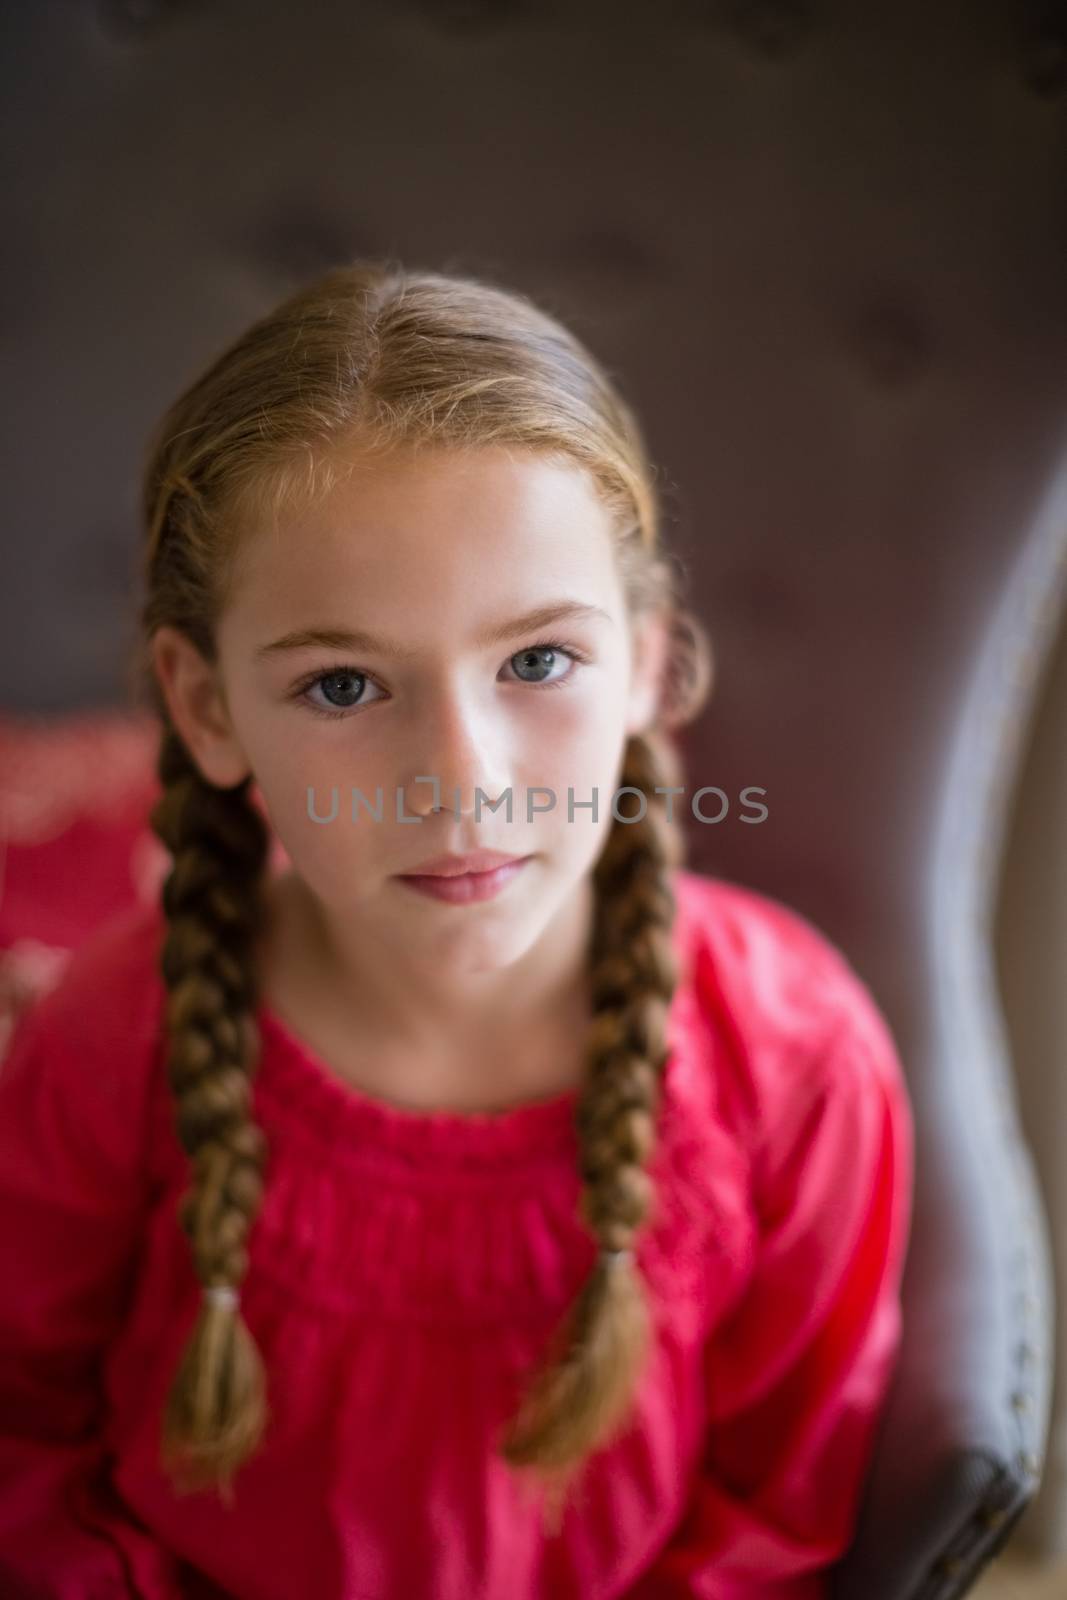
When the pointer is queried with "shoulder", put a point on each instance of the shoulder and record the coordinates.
(793, 1018)
(750, 947)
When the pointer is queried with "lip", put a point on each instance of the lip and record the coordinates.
(457, 865)
(465, 888)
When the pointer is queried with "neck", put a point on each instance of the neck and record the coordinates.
(465, 1008)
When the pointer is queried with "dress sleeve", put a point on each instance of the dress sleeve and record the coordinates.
(797, 1373)
(71, 1200)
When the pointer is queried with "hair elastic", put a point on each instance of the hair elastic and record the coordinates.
(221, 1294)
(617, 1255)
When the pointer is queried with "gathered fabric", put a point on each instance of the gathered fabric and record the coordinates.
(406, 1271)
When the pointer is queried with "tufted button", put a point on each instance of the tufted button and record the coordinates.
(894, 340)
(1044, 48)
(773, 28)
(469, 15)
(138, 16)
(298, 243)
(611, 258)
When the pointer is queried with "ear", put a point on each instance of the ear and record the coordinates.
(651, 643)
(197, 705)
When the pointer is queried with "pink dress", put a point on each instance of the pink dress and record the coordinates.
(407, 1268)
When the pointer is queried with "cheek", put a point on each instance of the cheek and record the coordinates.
(333, 852)
(578, 750)
(580, 735)
(316, 756)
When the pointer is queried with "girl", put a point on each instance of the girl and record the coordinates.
(461, 1199)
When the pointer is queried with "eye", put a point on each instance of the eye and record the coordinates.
(550, 647)
(342, 687)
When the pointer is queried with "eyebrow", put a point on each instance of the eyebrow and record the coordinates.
(349, 639)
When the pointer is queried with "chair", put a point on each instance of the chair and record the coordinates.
(965, 1429)
(821, 253)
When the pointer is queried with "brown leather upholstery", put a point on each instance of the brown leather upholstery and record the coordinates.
(823, 249)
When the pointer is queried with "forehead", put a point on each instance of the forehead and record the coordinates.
(435, 529)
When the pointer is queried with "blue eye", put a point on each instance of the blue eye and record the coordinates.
(338, 680)
(574, 656)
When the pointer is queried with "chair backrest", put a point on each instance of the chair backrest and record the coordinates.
(823, 251)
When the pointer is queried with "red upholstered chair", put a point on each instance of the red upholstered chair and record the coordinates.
(75, 840)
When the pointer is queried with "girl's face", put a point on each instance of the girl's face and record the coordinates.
(419, 570)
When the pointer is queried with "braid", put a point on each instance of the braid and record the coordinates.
(581, 1395)
(216, 1410)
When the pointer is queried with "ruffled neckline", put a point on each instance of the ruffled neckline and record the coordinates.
(339, 1110)
(357, 1125)
(350, 1120)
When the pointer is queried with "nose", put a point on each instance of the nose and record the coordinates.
(462, 748)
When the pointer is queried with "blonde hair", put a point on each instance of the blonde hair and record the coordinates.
(373, 356)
